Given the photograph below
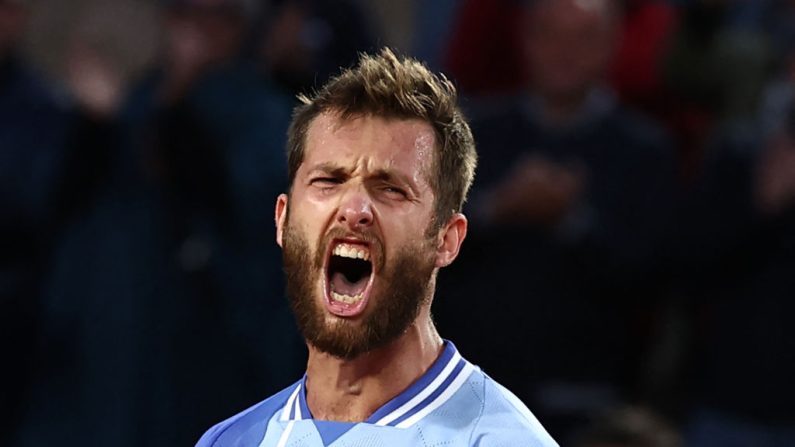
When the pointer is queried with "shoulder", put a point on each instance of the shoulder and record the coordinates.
(247, 427)
(506, 421)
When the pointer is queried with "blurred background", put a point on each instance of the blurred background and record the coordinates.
(630, 268)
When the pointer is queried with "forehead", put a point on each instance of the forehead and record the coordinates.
(370, 143)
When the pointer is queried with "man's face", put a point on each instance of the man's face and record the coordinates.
(568, 45)
(203, 33)
(358, 254)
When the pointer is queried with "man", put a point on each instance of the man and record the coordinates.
(380, 160)
(572, 206)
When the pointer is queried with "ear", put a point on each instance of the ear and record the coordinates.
(450, 238)
(280, 217)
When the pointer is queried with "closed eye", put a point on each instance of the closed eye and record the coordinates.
(325, 181)
(394, 192)
(325, 185)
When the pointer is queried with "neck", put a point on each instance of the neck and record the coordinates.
(352, 390)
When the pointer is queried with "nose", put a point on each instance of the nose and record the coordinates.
(356, 211)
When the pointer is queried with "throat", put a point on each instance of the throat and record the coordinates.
(346, 403)
(352, 390)
(344, 285)
(345, 409)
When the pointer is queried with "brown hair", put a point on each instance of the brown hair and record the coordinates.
(386, 86)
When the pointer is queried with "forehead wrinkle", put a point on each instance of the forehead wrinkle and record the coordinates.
(329, 167)
(344, 129)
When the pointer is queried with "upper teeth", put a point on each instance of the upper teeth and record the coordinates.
(351, 251)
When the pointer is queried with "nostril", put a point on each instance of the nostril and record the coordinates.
(358, 219)
(356, 213)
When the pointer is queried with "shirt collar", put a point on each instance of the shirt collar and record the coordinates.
(433, 388)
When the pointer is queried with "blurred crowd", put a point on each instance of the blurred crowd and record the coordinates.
(630, 266)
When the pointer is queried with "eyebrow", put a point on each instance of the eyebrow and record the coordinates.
(329, 168)
(386, 175)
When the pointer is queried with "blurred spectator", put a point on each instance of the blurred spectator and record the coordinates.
(740, 253)
(485, 51)
(571, 204)
(33, 130)
(714, 73)
(306, 41)
(164, 308)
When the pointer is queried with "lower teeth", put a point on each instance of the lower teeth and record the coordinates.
(347, 299)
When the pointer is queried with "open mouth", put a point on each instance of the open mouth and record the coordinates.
(349, 274)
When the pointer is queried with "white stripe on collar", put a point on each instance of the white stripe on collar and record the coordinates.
(298, 415)
(416, 400)
(292, 403)
(450, 377)
(459, 380)
(285, 435)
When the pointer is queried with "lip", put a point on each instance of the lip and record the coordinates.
(343, 309)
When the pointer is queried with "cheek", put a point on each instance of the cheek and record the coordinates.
(312, 208)
(404, 233)
(319, 206)
(299, 222)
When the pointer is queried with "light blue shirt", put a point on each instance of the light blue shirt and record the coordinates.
(453, 404)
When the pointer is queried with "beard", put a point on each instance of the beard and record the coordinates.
(404, 286)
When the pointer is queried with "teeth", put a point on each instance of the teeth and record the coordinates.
(346, 298)
(351, 251)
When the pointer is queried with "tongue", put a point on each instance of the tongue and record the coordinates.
(341, 285)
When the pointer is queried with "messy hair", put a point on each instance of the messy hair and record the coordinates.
(384, 85)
